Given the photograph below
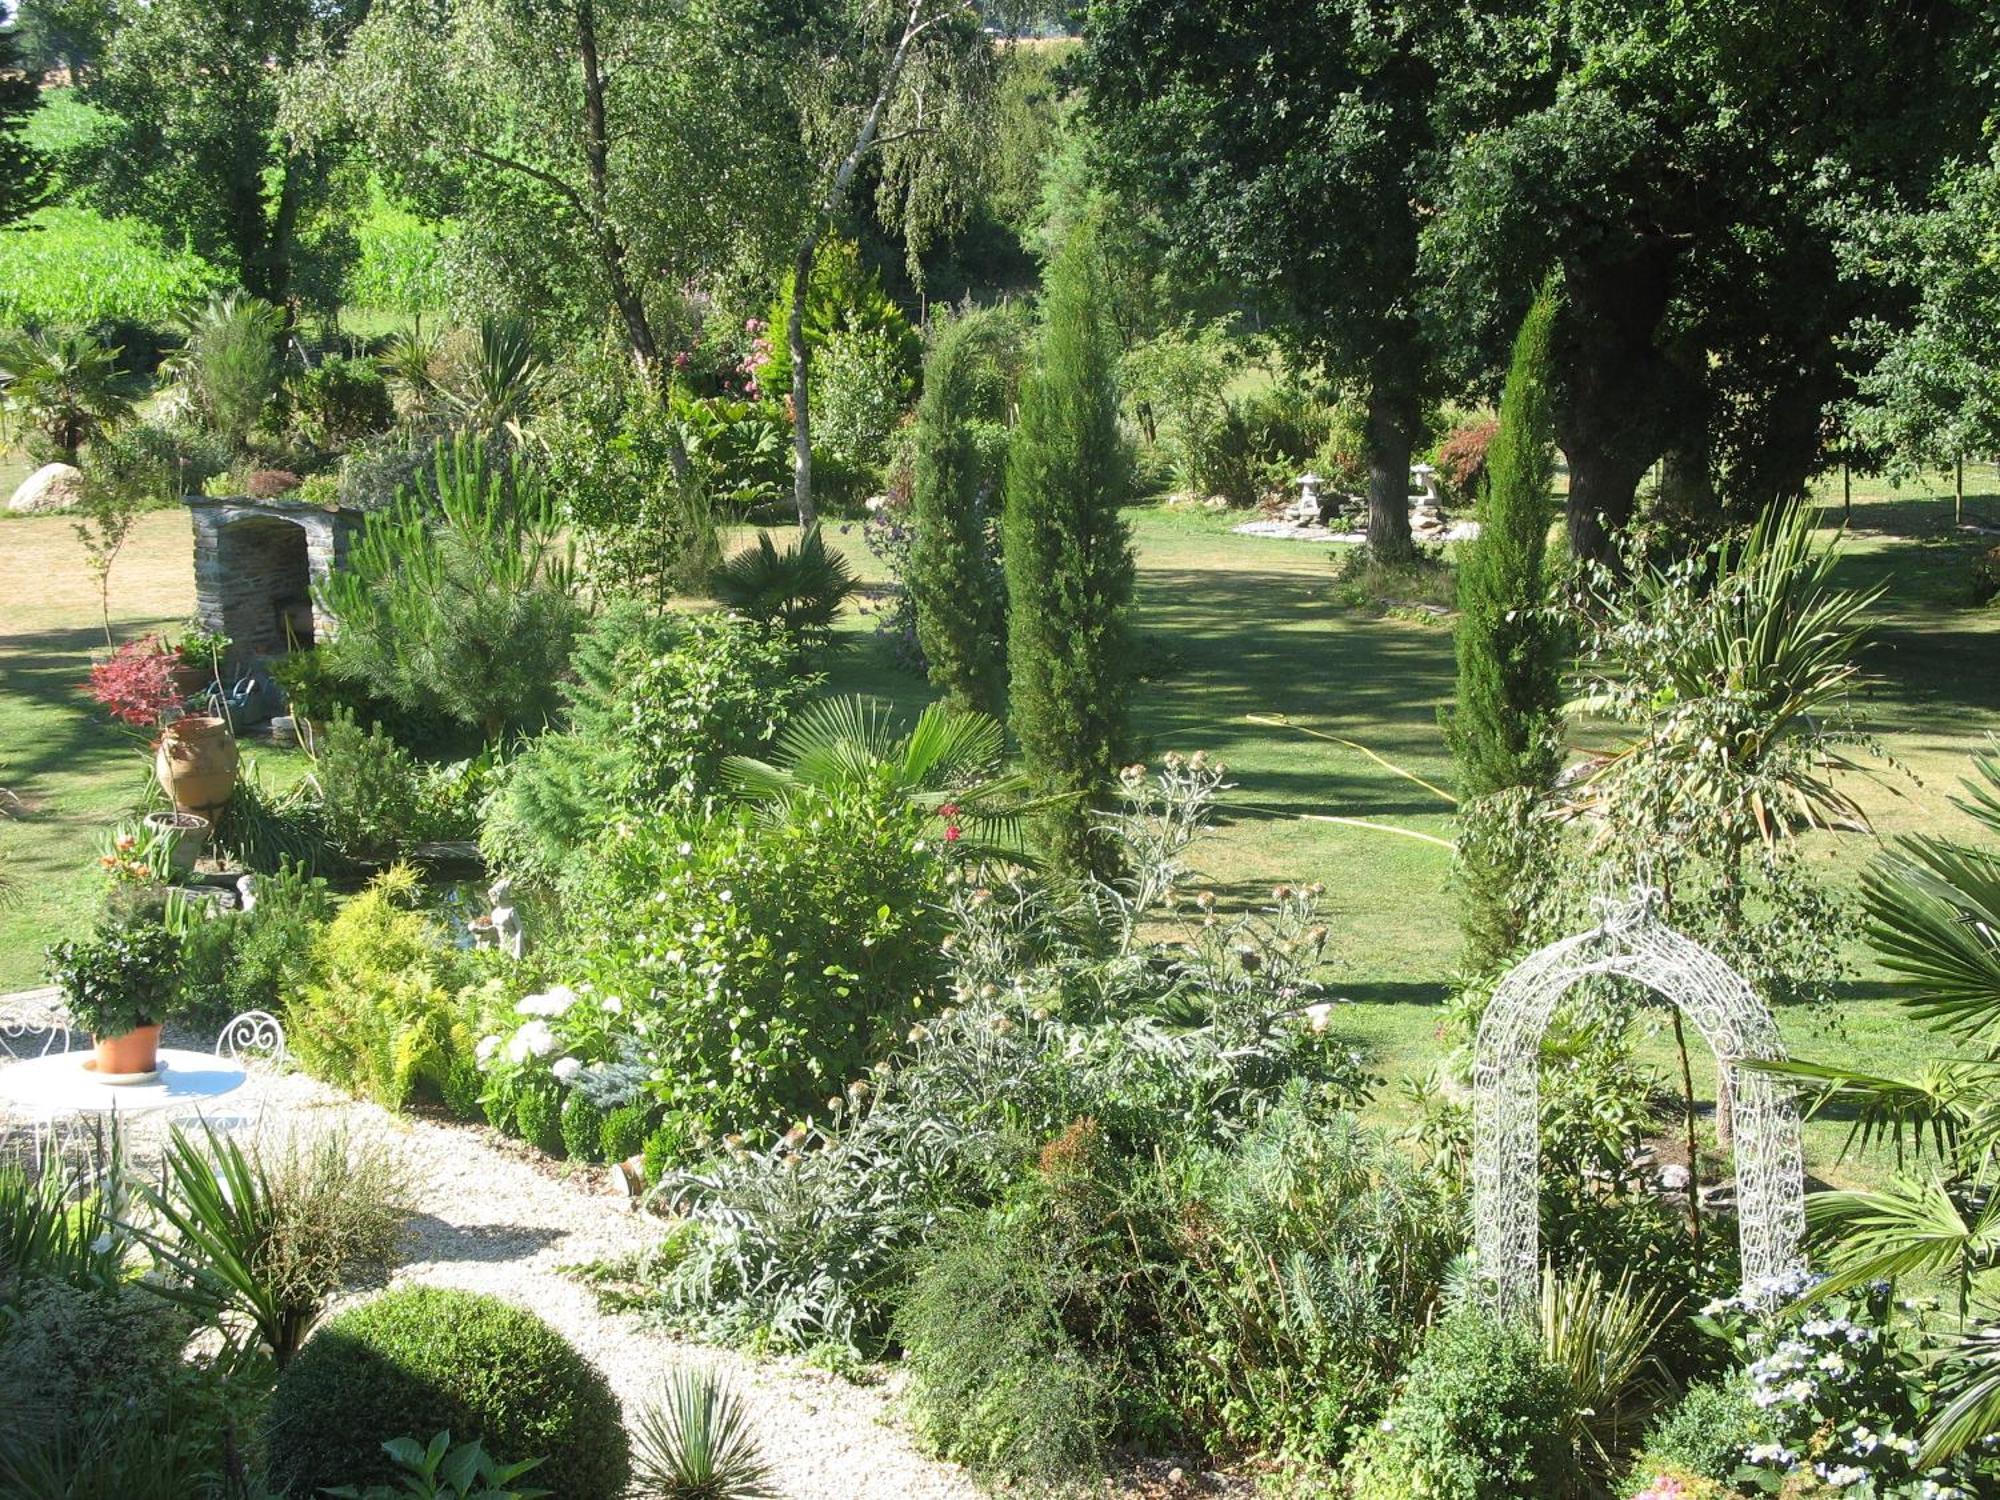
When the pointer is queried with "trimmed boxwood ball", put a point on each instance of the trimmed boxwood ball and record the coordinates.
(461, 1087)
(582, 1128)
(625, 1131)
(423, 1359)
(538, 1114)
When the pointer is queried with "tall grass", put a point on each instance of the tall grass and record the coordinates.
(72, 265)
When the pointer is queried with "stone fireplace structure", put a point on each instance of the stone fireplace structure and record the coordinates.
(257, 564)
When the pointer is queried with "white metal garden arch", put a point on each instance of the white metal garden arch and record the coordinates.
(1631, 942)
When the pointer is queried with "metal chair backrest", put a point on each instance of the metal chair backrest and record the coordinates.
(34, 1014)
(254, 1036)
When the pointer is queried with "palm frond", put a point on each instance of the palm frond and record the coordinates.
(1972, 1381)
(1915, 1116)
(1907, 1228)
(1934, 915)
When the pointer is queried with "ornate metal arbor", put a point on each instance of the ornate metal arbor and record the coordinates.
(1631, 943)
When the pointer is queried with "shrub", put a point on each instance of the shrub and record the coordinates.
(1483, 1415)
(269, 484)
(860, 389)
(1704, 1436)
(69, 1350)
(229, 372)
(799, 591)
(339, 400)
(497, 1102)
(1460, 458)
(773, 957)
(625, 1131)
(538, 1110)
(444, 1470)
(428, 1359)
(376, 1016)
(368, 789)
(582, 1128)
(60, 390)
(1069, 568)
(462, 594)
(656, 706)
(844, 296)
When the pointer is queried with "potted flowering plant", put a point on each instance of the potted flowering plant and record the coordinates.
(194, 755)
(197, 655)
(119, 984)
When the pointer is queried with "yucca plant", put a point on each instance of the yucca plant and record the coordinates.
(693, 1442)
(799, 590)
(505, 381)
(1602, 1338)
(54, 1227)
(266, 1237)
(950, 759)
(1934, 918)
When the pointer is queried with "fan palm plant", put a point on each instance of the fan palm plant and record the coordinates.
(232, 364)
(951, 762)
(64, 388)
(1934, 916)
(799, 591)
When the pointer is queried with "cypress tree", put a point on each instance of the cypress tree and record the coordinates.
(1069, 566)
(1505, 724)
(955, 585)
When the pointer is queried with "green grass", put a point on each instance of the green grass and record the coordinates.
(73, 265)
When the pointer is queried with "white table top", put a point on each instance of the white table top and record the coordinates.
(58, 1084)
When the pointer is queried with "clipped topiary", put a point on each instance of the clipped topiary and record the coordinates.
(625, 1131)
(431, 1359)
(582, 1128)
(538, 1116)
(1483, 1415)
(498, 1103)
(460, 1088)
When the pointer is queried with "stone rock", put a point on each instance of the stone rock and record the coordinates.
(51, 487)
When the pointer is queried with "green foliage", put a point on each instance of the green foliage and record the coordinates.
(71, 1352)
(269, 1235)
(773, 958)
(339, 400)
(368, 789)
(61, 390)
(694, 1443)
(442, 1471)
(123, 975)
(657, 705)
(538, 1116)
(861, 388)
(582, 1129)
(400, 262)
(258, 959)
(78, 269)
(195, 145)
(1069, 567)
(625, 1131)
(799, 591)
(954, 578)
(1483, 1415)
(431, 1359)
(462, 594)
(374, 1018)
(231, 367)
(1505, 723)
(54, 1228)
(1702, 1435)
(844, 299)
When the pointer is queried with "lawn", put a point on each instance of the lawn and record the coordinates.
(1231, 629)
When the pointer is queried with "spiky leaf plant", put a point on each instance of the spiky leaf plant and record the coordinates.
(694, 1442)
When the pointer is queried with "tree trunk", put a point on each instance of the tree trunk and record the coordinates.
(795, 341)
(284, 230)
(1391, 424)
(1623, 399)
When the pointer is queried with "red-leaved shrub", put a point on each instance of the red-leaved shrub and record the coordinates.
(136, 683)
(1461, 457)
(268, 484)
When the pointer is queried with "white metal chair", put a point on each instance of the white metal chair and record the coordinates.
(25, 1019)
(257, 1041)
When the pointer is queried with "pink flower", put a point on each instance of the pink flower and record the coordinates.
(681, 360)
(953, 833)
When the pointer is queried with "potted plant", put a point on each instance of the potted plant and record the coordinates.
(175, 840)
(194, 755)
(119, 984)
(197, 655)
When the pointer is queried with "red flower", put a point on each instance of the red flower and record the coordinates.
(953, 833)
(949, 811)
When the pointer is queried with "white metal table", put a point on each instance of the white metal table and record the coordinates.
(58, 1087)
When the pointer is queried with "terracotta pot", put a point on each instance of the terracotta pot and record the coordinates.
(193, 829)
(189, 678)
(137, 1051)
(196, 764)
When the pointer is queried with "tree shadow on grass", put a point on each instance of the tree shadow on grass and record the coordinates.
(43, 673)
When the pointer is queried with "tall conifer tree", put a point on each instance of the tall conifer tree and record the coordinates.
(1505, 723)
(1069, 565)
(958, 592)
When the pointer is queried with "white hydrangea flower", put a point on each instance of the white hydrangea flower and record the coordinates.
(532, 1040)
(488, 1045)
(566, 1069)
